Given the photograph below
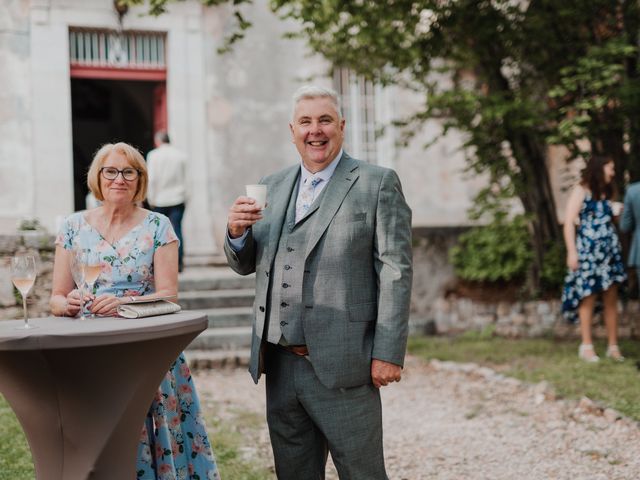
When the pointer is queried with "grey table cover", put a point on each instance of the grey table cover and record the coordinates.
(81, 389)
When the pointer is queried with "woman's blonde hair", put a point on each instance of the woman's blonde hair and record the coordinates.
(135, 159)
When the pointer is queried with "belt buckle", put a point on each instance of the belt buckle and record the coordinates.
(300, 350)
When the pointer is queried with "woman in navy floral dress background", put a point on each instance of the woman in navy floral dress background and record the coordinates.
(594, 256)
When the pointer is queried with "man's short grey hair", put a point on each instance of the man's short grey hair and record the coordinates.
(314, 91)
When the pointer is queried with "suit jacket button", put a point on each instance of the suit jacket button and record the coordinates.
(284, 304)
(261, 309)
(282, 324)
(266, 273)
(287, 267)
(285, 285)
(289, 249)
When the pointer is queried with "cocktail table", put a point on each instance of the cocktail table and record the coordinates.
(81, 389)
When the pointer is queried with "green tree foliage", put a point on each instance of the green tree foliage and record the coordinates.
(515, 76)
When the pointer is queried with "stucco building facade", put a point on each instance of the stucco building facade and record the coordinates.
(77, 74)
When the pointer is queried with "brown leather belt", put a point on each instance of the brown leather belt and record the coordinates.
(300, 350)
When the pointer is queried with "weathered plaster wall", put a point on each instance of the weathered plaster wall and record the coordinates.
(434, 181)
(248, 94)
(229, 113)
(16, 165)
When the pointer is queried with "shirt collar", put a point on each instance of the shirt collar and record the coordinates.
(325, 174)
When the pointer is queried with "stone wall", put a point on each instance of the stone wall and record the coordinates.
(518, 319)
(42, 246)
(432, 273)
(435, 310)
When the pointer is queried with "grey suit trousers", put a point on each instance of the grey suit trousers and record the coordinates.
(307, 420)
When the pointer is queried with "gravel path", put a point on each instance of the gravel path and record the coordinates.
(459, 421)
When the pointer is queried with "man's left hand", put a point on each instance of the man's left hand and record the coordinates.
(383, 373)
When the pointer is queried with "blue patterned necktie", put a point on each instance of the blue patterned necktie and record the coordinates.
(306, 195)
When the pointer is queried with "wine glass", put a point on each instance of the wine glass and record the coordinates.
(91, 268)
(23, 275)
(77, 272)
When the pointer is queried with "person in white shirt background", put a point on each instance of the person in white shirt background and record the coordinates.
(167, 184)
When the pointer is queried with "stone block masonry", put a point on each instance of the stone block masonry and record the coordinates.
(534, 318)
(41, 245)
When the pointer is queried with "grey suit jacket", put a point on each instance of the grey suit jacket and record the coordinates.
(630, 221)
(358, 271)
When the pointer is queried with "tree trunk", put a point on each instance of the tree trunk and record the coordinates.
(631, 17)
(535, 193)
(608, 139)
(633, 159)
(536, 197)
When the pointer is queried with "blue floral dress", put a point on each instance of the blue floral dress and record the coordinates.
(599, 256)
(173, 443)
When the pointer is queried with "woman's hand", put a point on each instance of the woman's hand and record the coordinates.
(106, 305)
(72, 305)
(572, 261)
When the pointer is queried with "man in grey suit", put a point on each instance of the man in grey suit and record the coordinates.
(332, 256)
(630, 222)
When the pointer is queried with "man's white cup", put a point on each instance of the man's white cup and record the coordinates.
(258, 193)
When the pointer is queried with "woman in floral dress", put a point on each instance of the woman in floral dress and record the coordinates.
(138, 250)
(593, 256)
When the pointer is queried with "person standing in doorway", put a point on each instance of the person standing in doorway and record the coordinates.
(332, 256)
(167, 184)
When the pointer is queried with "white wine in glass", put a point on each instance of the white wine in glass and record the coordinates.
(23, 275)
(91, 273)
(77, 272)
(91, 269)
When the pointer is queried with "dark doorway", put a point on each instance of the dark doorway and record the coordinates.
(108, 111)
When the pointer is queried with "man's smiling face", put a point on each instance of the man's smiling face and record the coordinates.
(317, 131)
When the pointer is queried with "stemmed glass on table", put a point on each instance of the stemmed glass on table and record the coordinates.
(23, 276)
(77, 272)
(91, 268)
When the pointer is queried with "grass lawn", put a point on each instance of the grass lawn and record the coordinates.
(228, 439)
(616, 385)
(15, 457)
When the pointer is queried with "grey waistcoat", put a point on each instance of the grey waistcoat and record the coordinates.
(285, 300)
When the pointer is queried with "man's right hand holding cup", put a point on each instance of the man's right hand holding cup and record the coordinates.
(244, 212)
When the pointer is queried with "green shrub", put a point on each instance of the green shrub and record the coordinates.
(31, 224)
(554, 266)
(495, 252)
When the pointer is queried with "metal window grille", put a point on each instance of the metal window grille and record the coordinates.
(109, 48)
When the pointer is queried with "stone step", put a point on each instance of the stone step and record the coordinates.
(210, 359)
(230, 317)
(219, 278)
(204, 300)
(223, 338)
(204, 260)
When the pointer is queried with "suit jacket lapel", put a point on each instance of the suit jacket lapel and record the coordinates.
(341, 182)
(282, 192)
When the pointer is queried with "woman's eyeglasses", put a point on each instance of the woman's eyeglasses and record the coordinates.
(111, 173)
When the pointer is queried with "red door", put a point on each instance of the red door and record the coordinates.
(160, 107)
